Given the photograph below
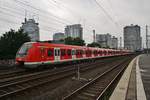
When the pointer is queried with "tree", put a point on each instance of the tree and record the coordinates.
(94, 44)
(74, 41)
(10, 42)
(69, 40)
(107, 47)
(79, 42)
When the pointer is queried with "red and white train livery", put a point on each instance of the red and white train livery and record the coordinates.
(33, 54)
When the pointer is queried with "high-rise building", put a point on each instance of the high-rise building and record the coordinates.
(132, 37)
(32, 29)
(104, 40)
(58, 36)
(114, 42)
(74, 31)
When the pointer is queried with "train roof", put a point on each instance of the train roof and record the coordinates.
(47, 44)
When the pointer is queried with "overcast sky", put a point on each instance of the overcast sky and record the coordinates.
(106, 16)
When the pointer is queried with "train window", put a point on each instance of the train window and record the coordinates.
(77, 52)
(90, 52)
(81, 52)
(86, 52)
(63, 52)
(50, 52)
(95, 52)
(58, 52)
(111, 52)
(69, 52)
(24, 49)
(100, 52)
(55, 52)
(104, 52)
(73, 52)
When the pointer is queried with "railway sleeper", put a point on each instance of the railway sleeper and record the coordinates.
(85, 97)
(89, 94)
(92, 91)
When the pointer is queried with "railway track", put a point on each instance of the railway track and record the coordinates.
(21, 73)
(95, 89)
(10, 73)
(25, 74)
(18, 84)
(13, 73)
(16, 71)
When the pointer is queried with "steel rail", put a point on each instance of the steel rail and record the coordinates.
(8, 80)
(4, 89)
(29, 81)
(78, 91)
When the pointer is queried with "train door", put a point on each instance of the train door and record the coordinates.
(84, 53)
(42, 54)
(92, 51)
(57, 54)
(73, 54)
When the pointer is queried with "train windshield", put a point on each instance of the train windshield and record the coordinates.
(24, 50)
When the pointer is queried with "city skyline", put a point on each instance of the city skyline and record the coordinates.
(58, 14)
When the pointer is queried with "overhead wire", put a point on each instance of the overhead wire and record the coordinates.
(46, 14)
(106, 13)
(20, 15)
(42, 11)
(9, 21)
(66, 21)
(43, 14)
(73, 13)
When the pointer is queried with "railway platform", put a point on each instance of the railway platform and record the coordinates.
(135, 82)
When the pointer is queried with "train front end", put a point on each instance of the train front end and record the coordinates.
(22, 55)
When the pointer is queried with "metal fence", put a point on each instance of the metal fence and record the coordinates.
(7, 62)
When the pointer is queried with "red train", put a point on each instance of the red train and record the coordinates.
(33, 54)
